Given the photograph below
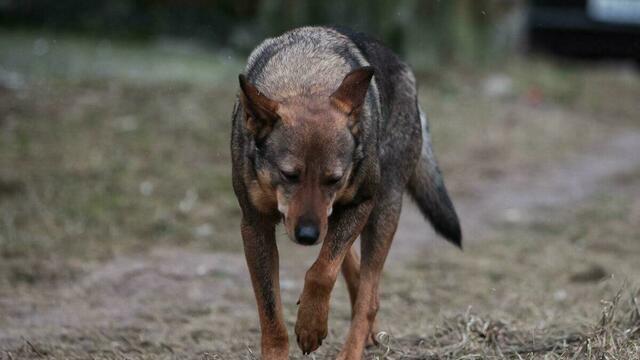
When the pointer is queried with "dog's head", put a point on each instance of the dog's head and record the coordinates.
(304, 150)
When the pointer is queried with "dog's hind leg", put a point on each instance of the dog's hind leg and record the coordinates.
(261, 253)
(351, 273)
(376, 240)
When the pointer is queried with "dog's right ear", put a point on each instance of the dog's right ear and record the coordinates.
(260, 111)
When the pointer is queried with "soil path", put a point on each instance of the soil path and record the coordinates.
(515, 195)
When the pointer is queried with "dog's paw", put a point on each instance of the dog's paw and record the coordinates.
(373, 339)
(310, 340)
(311, 326)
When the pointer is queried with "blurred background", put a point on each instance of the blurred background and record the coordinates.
(119, 230)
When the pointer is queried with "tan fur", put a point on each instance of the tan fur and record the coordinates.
(262, 195)
(346, 192)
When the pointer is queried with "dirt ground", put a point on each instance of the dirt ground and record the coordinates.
(119, 232)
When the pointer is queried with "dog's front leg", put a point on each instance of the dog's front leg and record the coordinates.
(261, 253)
(344, 227)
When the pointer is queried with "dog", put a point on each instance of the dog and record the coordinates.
(327, 135)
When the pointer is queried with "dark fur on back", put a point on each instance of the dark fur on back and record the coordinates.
(397, 89)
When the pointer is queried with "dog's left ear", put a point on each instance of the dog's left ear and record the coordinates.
(351, 94)
(260, 111)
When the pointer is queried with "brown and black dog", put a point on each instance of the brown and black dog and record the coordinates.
(320, 146)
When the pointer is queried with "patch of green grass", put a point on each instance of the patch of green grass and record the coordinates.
(51, 56)
(102, 157)
(118, 162)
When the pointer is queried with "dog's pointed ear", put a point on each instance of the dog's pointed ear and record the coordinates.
(260, 111)
(351, 94)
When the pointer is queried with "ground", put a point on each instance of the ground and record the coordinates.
(119, 230)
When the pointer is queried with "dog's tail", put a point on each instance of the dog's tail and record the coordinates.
(426, 186)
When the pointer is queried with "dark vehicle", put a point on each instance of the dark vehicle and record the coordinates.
(586, 28)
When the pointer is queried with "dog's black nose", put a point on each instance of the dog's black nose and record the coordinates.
(307, 234)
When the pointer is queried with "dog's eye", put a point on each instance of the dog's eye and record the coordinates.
(289, 176)
(334, 180)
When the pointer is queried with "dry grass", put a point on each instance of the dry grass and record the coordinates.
(615, 335)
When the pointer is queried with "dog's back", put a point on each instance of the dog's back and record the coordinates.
(302, 62)
(314, 60)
